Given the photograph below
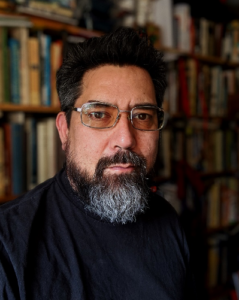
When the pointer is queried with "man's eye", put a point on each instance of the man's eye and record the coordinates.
(97, 115)
(142, 117)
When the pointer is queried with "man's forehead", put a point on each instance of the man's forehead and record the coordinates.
(128, 85)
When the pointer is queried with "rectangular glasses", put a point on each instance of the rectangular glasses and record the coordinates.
(103, 115)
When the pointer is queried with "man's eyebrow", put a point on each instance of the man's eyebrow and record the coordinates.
(98, 101)
(144, 104)
(131, 106)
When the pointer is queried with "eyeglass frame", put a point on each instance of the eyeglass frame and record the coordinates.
(79, 109)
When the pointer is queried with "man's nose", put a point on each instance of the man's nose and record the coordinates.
(124, 134)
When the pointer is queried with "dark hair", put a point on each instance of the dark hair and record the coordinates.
(123, 47)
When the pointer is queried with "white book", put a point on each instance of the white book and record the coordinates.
(182, 15)
(162, 15)
(51, 147)
(42, 160)
(22, 34)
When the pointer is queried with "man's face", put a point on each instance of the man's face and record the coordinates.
(125, 87)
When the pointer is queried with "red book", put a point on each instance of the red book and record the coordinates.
(184, 103)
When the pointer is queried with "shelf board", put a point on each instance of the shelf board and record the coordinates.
(203, 58)
(29, 108)
(49, 24)
(213, 230)
(42, 23)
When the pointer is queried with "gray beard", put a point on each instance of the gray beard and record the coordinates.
(114, 198)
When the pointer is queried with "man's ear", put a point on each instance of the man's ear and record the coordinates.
(61, 125)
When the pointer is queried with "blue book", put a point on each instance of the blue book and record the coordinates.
(18, 161)
(14, 48)
(45, 42)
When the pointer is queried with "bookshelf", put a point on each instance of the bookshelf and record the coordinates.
(208, 204)
(180, 127)
(33, 118)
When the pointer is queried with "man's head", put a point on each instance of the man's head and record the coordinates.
(107, 167)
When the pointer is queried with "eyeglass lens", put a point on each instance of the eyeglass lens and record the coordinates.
(98, 115)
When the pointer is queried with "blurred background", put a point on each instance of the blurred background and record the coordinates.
(197, 169)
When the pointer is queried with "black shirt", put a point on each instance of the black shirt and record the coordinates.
(51, 248)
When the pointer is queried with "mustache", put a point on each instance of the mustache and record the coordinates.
(121, 157)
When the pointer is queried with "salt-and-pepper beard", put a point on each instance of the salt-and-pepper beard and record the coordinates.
(114, 198)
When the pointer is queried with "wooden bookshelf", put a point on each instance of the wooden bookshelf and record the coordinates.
(41, 23)
(28, 108)
(203, 58)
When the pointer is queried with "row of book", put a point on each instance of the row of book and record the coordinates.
(179, 29)
(196, 88)
(213, 150)
(28, 65)
(222, 203)
(222, 259)
(204, 36)
(60, 10)
(30, 153)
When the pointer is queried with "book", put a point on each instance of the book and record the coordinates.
(216, 85)
(5, 65)
(56, 52)
(22, 34)
(34, 70)
(218, 36)
(213, 262)
(191, 73)
(218, 150)
(17, 158)
(204, 36)
(42, 160)
(211, 38)
(2, 169)
(214, 206)
(183, 88)
(1, 65)
(162, 14)
(165, 153)
(171, 94)
(45, 64)
(47, 14)
(52, 136)
(47, 149)
(182, 15)
(8, 20)
(16, 122)
(14, 49)
(31, 150)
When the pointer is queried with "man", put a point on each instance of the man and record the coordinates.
(95, 230)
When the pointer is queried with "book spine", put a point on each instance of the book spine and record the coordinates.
(17, 137)
(56, 61)
(6, 70)
(47, 72)
(14, 70)
(34, 71)
(2, 169)
(24, 69)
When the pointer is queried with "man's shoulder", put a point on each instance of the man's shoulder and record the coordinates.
(27, 198)
(19, 213)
